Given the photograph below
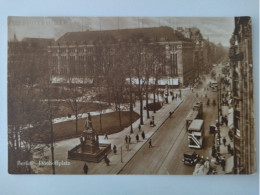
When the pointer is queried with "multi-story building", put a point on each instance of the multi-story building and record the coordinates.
(243, 102)
(202, 50)
(81, 52)
(28, 55)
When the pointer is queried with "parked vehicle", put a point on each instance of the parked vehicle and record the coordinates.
(212, 128)
(190, 158)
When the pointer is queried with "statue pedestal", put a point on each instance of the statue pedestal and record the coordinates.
(88, 154)
(89, 149)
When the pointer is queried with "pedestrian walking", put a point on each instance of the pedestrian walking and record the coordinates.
(107, 161)
(143, 135)
(197, 95)
(229, 148)
(106, 137)
(213, 153)
(151, 123)
(170, 114)
(85, 168)
(230, 134)
(153, 120)
(81, 139)
(224, 141)
(126, 139)
(137, 138)
(129, 139)
(218, 160)
(226, 120)
(114, 149)
(223, 120)
(166, 100)
(223, 163)
(150, 143)
(139, 127)
(207, 165)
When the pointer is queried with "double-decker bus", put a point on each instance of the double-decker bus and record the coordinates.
(196, 133)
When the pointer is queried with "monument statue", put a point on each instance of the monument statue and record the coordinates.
(89, 149)
(89, 139)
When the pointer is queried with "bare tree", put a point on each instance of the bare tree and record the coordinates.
(156, 72)
(76, 98)
(25, 108)
(103, 77)
(47, 93)
(130, 75)
(127, 56)
(51, 109)
(139, 73)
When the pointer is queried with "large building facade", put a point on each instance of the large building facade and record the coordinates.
(28, 55)
(95, 52)
(242, 72)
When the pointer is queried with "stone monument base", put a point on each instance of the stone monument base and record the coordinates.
(88, 154)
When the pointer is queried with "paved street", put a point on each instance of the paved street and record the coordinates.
(171, 140)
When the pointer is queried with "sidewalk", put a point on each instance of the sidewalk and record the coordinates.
(226, 111)
(224, 151)
(223, 148)
(123, 155)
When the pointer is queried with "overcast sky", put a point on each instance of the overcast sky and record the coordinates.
(216, 29)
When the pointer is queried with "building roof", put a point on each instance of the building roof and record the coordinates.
(158, 34)
(196, 125)
(192, 115)
(42, 42)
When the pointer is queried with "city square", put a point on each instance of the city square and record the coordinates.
(130, 95)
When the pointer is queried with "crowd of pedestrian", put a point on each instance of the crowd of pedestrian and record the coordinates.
(218, 158)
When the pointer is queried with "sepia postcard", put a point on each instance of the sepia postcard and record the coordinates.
(130, 95)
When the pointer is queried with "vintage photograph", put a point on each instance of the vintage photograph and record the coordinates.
(130, 95)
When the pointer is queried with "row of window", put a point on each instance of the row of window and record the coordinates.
(72, 60)
(74, 50)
